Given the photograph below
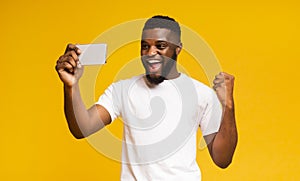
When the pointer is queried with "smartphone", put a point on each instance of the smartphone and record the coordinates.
(92, 54)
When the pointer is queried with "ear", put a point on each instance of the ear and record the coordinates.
(178, 48)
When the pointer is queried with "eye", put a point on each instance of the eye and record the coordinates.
(161, 45)
(144, 46)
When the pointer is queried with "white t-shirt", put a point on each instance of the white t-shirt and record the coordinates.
(160, 125)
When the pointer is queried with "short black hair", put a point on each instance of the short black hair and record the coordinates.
(159, 21)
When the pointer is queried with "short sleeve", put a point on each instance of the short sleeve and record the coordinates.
(109, 101)
(212, 115)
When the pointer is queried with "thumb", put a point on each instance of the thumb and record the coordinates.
(78, 70)
(78, 64)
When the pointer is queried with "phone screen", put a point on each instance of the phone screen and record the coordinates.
(92, 54)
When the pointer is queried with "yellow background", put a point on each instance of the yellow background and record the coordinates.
(257, 41)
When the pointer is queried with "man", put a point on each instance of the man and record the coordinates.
(161, 110)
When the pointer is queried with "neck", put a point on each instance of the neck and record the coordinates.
(173, 74)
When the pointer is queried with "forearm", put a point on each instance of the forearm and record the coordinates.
(77, 115)
(225, 141)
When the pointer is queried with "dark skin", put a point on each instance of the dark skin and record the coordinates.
(157, 45)
(160, 46)
(82, 122)
(221, 145)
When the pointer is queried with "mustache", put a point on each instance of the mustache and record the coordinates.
(155, 57)
(159, 57)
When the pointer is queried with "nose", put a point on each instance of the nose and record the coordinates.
(152, 51)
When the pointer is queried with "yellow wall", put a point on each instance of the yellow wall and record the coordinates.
(257, 41)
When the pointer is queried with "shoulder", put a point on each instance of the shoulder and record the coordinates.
(129, 80)
(126, 83)
(200, 86)
(204, 92)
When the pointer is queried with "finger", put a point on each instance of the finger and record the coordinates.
(70, 57)
(67, 59)
(73, 47)
(67, 62)
(62, 66)
(219, 76)
(215, 87)
(227, 76)
(68, 67)
(72, 61)
(220, 85)
(218, 80)
(79, 64)
(74, 56)
(60, 59)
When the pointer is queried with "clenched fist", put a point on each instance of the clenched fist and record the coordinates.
(68, 66)
(223, 85)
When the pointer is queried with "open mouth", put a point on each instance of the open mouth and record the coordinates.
(154, 65)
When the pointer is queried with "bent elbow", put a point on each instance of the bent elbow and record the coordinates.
(77, 135)
(223, 164)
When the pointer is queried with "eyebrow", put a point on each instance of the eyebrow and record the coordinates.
(161, 41)
(158, 41)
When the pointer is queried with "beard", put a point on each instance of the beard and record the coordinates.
(155, 80)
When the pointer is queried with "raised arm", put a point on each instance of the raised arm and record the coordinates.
(221, 145)
(81, 122)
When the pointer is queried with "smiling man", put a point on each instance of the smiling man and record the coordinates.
(160, 46)
(161, 110)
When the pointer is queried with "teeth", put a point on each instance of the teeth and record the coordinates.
(153, 61)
